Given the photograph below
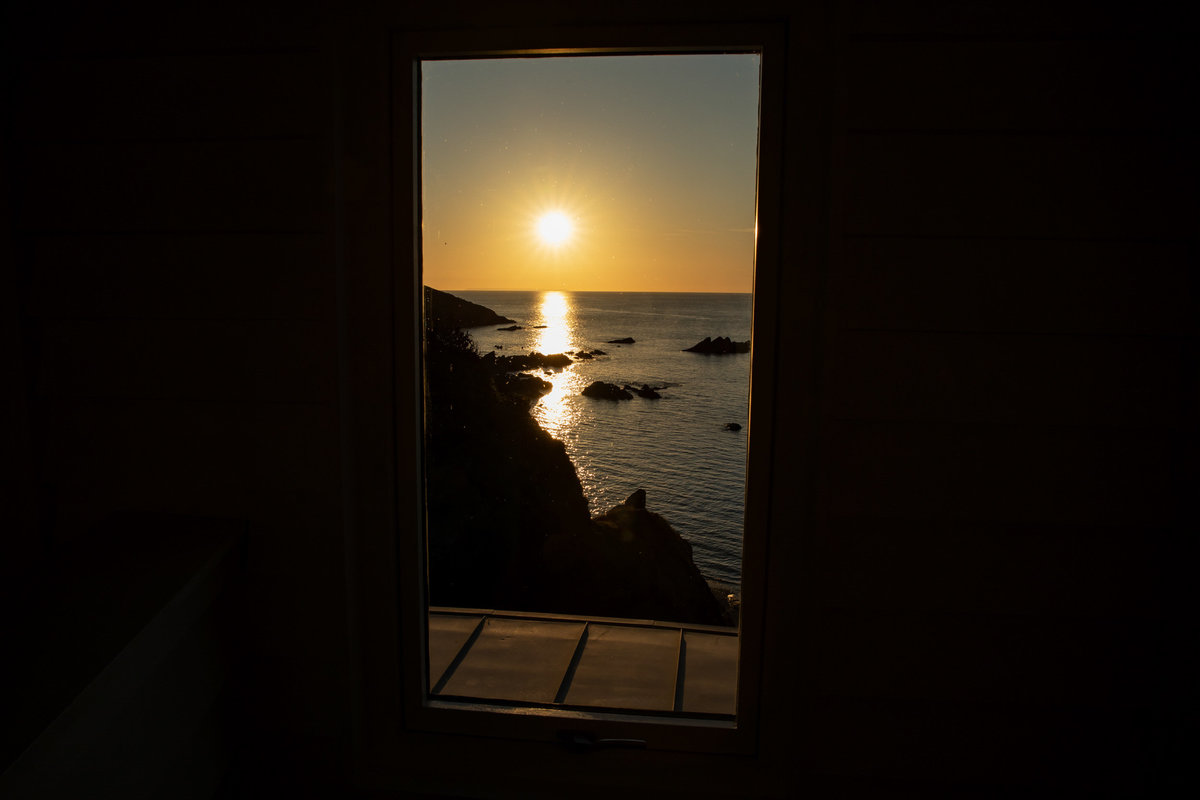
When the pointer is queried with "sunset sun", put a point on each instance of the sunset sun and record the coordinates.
(554, 228)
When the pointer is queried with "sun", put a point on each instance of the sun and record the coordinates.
(554, 228)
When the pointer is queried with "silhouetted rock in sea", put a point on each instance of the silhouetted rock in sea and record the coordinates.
(534, 360)
(720, 346)
(626, 340)
(653, 575)
(445, 311)
(606, 391)
(524, 385)
(645, 391)
(509, 526)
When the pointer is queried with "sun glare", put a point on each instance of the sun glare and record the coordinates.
(554, 228)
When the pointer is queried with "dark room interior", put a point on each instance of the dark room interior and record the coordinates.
(981, 495)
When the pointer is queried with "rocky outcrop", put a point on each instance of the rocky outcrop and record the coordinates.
(508, 523)
(626, 340)
(497, 485)
(645, 391)
(649, 568)
(523, 385)
(720, 346)
(534, 360)
(606, 391)
(445, 311)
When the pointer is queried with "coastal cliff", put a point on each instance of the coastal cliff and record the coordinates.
(508, 523)
(445, 311)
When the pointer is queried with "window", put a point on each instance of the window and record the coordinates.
(621, 188)
(478, 726)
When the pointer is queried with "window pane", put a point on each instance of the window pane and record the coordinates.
(588, 248)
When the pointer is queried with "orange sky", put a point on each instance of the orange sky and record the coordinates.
(653, 159)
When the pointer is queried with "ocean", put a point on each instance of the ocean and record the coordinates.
(676, 448)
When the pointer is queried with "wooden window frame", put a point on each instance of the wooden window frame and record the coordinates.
(395, 719)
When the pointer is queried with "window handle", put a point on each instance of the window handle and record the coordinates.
(580, 742)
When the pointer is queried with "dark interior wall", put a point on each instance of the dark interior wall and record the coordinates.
(1009, 398)
(172, 192)
(993, 338)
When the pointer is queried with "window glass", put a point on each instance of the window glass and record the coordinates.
(588, 247)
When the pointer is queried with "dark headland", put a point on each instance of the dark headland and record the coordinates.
(508, 522)
(445, 311)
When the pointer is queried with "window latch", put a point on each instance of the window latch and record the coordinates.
(582, 742)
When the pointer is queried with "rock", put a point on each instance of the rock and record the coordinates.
(645, 391)
(520, 384)
(583, 356)
(486, 533)
(606, 391)
(599, 353)
(648, 393)
(528, 542)
(720, 346)
(534, 360)
(626, 340)
(658, 578)
(510, 328)
(445, 311)
(731, 605)
(732, 426)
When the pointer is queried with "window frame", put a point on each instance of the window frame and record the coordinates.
(413, 48)
(394, 715)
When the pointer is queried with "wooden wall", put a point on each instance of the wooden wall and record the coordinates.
(172, 176)
(1008, 400)
(990, 383)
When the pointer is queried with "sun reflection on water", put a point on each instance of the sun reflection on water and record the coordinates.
(556, 412)
(559, 320)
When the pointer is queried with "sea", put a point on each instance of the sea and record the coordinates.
(676, 448)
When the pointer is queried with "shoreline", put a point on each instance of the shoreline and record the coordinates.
(530, 542)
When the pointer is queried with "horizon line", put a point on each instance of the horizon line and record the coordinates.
(598, 291)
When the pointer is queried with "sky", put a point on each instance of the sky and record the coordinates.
(650, 160)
